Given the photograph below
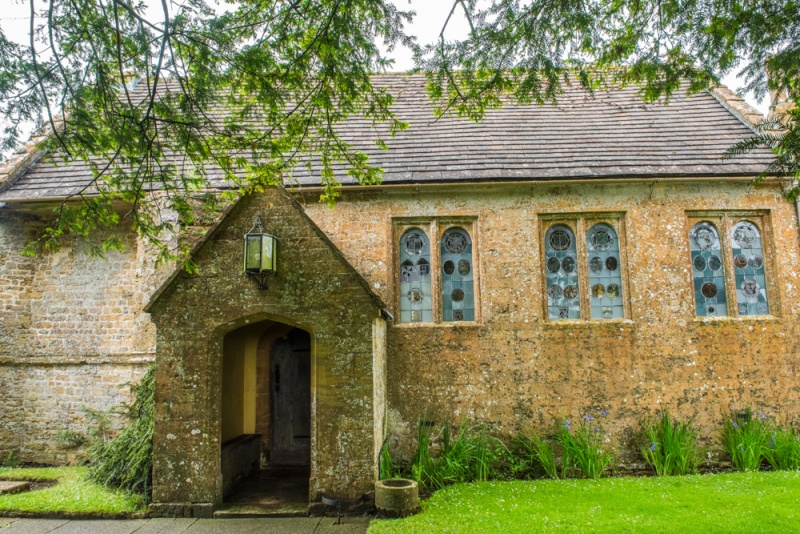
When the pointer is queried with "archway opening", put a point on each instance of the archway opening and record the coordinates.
(266, 419)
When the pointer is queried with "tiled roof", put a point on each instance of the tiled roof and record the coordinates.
(613, 135)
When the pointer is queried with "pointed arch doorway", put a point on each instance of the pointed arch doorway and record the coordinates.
(266, 420)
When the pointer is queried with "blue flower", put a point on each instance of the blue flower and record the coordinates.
(567, 423)
(735, 424)
(772, 444)
(653, 446)
(588, 418)
(604, 413)
(596, 429)
(762, 416)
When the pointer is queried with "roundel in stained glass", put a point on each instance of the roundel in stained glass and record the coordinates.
(560, 240)
(568, 264)
(699, 263)
(570, 292)
(457, 294)
(553, 265)
(455, 242)
(598, 290)
(554, 291)
(714, 263)
(755, 262)
(449, 267)
(463, 267)
(413, 243)
(740, 261)
(612, 291)
(415, 295)
(745, 234)
(602, 239)
(596, 264)
(704, 236)
(750, 287)
(611, 263)
(709, 290)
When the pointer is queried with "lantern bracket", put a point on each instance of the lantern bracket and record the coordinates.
(261, 279)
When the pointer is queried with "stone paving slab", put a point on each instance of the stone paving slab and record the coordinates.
(33, 526)
(285, 525)
(15, 486)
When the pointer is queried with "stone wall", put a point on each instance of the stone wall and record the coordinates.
(72, 333)
(514, 366)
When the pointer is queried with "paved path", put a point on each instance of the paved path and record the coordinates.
(289, 525)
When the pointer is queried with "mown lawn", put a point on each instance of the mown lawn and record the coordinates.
(72, 494)
(732, 502)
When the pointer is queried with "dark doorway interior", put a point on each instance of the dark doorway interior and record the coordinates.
(290, 392)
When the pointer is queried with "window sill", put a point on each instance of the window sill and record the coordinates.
(569, 323)
(459, 324)
(739, 319)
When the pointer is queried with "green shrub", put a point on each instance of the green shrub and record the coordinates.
(746, 439)
(530, 452)
(582, 448)
(783, 449)
(125, 461)
(386, 468)
(472, 455)
(671, 446)
(10, 460)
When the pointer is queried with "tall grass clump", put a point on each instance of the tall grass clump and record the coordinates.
(783, 449)
(671, 446)
(470, 455)
(582, 447)
(746, 439)
(530, 452)
(125, 461)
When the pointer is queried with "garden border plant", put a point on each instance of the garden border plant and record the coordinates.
(672, 447)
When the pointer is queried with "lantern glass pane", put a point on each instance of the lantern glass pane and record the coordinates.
(253, 252)
(267, 253)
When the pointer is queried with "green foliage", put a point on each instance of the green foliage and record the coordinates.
(125, 461)
(69, 439)
(746, 440)
(386, 467)
(469, 456)
(783, 449)
(671, 446)
(582, 449)
(695, 503)
(73, 494)
(530, 452)
(10, 460)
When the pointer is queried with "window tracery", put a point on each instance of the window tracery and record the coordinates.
(748, 264)
(458, 299)
(605, 278)
(707, 273)
(563, 295)
(416, 303)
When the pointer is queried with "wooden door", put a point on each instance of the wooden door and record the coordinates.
(290, 378)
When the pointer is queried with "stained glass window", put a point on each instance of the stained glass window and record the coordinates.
(605, 278)
(563, 299)
(416, 303)
(458, 296)
(748, 269)
(707, 272)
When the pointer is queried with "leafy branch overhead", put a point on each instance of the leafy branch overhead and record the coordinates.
(162, 108)
(196, 97)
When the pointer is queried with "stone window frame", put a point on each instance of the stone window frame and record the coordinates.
(580, 223)
(724, 220)
(435, 227)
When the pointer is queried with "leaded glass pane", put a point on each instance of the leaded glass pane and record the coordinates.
(563, 300)
(416, 303)
(458, 296)
(748, 263)
(605, 278)
(707, 272)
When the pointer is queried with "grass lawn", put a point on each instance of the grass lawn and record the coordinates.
(73, 494)
(732, 502)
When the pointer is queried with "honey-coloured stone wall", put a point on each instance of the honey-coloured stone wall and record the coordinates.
(514, 366)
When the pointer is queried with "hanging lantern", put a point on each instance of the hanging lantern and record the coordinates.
(260, 254)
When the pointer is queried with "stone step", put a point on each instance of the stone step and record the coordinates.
(14, 486)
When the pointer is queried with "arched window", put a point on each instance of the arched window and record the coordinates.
(458, 296)
(605, 278)
(415, 277)
(561, 267)
(707, 271)
(748, 269)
